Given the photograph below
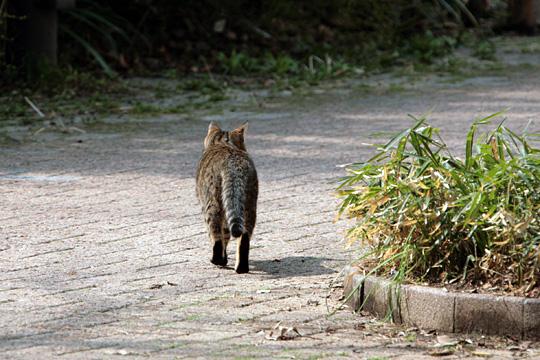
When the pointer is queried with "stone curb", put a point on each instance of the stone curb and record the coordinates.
(437, 309)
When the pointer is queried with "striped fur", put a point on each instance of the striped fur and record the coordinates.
(227, 188)
(233, 199)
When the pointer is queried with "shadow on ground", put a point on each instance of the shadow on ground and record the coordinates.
(293, 266)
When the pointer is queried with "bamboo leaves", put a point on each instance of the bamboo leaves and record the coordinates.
(469, 220)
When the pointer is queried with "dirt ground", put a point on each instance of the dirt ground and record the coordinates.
(103, 251)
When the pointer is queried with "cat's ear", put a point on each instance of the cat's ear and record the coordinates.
(237, 136)
(242, 129)
(213, 127)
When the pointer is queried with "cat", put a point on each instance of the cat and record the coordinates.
(227, 189)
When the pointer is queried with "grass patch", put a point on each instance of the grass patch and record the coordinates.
(532, 48)
(410, 337)
(427, 215)
(150, 109)
(193, 317)
(66, 92)
(144, 109)
(485, 50)
(279, 67)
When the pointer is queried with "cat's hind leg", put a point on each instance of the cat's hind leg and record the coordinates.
(242, 254)
(219, 254)
(226, 236)
(242, 250)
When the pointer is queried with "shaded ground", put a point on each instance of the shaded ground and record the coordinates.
(104, 253)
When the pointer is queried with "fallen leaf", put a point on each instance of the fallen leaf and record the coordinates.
(481, 353)
(159, 286)
(284, 333)
(482, 341)
(219, 25)
(445, 340)
(442, 352)
(330, 330)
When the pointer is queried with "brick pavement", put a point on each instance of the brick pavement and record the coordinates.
(103, 252)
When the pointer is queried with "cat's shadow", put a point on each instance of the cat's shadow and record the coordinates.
(292, 266)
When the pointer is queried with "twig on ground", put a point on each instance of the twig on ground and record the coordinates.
(34, 107)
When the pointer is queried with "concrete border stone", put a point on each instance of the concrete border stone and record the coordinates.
(489, 314)
(427, 308)
(353, 288)
(438, 309)
(531, 318)
(381, 298)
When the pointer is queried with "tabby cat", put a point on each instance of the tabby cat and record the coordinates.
(227, 188)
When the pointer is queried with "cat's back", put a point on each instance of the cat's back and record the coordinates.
(221, 157)
(220, 160)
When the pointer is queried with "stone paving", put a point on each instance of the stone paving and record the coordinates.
(103, 252)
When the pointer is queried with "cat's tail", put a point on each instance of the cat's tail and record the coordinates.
(233, 193)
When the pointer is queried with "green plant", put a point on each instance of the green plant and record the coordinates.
(531, 48)
(428, 47)
(428, 215)
(12, 107)
(318, 69)
(485, 50)
(238, 63)
(281, 64)
(456, 8)
(283, 67)
(100, 32)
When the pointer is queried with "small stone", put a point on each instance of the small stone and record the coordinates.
(219, 25)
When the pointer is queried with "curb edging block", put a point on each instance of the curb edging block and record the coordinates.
(381, 298)
(428, 308)
(376, 295)
(531, 319)
(353, 282)
(438, 309)
(492, 315)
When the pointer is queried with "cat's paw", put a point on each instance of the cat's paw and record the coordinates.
(219, 261)
(219, 257)
(242, 268)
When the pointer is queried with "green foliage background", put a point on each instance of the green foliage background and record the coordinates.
(148, 34)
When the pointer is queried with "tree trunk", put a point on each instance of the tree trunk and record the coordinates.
(523, 16)
(32, 33)
(479, 8)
